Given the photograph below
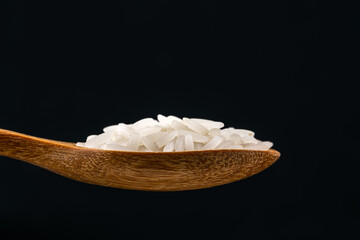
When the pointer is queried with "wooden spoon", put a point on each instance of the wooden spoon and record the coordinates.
(149, 171)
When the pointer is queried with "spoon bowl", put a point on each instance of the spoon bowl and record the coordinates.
(148, 171)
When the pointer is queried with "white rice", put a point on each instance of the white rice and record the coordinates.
(168, 134)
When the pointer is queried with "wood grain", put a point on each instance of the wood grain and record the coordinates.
(149, 171)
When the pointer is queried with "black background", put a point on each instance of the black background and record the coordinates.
(69, 69)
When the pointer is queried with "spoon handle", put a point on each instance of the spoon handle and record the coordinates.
(59, 157)
(16, 145)
(28, 148)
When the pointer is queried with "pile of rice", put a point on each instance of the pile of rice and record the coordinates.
(168, 134)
